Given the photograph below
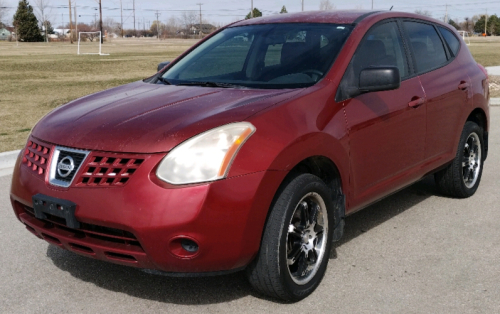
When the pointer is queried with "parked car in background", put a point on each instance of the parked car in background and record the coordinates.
(248, 150)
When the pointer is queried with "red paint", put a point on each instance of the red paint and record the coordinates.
(380, 142)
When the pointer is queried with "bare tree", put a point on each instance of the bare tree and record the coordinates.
(326, 5)
(424, 12)
(172, 26)
(43, 11)
(3, 13)
(110, 25)
(188, 18)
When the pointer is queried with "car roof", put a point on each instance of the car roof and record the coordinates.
(334, 17)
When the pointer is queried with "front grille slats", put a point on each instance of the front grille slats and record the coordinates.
(89, 168)
(109, 170)
(36, 157)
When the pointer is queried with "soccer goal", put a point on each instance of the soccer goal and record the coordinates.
(465, 37)
(89, 43)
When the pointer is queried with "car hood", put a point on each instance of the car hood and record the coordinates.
(147, 118)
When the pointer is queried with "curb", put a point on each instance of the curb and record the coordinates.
(7, 162)
(495, 102)
(493, 70)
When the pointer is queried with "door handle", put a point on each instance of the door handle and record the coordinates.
(416, 102)
(463, 85)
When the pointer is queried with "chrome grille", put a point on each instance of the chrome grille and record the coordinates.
(65, 165)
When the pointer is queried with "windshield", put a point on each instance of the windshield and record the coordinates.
(262, 56)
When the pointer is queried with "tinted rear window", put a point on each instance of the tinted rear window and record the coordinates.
(427, 46)
(451, 40)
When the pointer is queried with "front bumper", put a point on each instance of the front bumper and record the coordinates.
(140, 223)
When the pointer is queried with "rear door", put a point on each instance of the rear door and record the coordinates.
(386, 128)
(445, 83)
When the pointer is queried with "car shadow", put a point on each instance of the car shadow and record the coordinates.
(385, 209)
(224, 288)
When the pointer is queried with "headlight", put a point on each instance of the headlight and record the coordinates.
(205, 157)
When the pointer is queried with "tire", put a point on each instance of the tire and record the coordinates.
(293, 235)
(461, 178)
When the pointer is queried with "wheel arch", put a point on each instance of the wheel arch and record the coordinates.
(324, 168)
(478, 116)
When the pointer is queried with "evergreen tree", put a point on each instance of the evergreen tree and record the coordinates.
(26, 23)
(493, 25)
(256, 13)
(454, 24)
(283, 10)
(479, 26)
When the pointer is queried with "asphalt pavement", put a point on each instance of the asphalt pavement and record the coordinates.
(413, 252)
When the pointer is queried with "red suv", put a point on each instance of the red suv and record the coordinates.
(247, 151)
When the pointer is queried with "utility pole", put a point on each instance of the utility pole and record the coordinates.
(76, 23)
(200, 4)
(100, 20)
(302, 5)
(446, 15)
(485, 22)
(121, 20)
(372, 5)
(70, 23)
(133, 4)
(251, 10)
(157, 25)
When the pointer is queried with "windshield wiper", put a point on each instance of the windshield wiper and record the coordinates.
(164, 81)
(209, 84)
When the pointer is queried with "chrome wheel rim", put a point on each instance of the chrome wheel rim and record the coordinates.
(471, 163)
(306, 238)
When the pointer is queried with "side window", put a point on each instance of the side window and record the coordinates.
(427, 46)
(451, 40)
(381, 46)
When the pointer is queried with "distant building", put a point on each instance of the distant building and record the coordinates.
(205, 28)
(61, 32)
(5, 34)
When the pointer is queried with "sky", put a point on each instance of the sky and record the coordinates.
(221, 12)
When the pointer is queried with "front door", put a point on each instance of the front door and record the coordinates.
(386, 129)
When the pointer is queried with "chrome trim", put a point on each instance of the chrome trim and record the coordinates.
(54, 162)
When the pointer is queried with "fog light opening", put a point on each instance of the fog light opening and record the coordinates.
(184, 247)
(189, 245)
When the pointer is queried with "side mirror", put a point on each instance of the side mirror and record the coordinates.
(162, 65)
(380, 78)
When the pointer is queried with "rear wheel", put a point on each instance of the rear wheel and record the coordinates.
(461, 178)
(296, 241)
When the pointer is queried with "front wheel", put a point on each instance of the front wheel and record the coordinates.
(461, 178)
(296, 241)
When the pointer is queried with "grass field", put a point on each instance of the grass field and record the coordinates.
(37, 77)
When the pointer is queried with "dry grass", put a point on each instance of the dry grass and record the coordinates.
(486, 51)
(37, 77)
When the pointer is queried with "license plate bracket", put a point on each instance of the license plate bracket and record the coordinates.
(43, 205)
